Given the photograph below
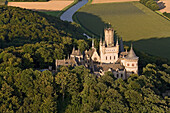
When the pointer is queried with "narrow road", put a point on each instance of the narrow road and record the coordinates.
(67, 15)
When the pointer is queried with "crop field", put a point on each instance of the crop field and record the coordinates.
(132, 21)
(167, 4)
(54, 5)
(109, 1)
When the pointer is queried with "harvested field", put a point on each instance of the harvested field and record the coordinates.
(167, 4)
(44, 6)
(110, 1)
(132, 21)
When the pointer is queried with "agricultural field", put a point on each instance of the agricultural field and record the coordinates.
(132, 21)
(54, 5)
(167, 6)
(110, 1)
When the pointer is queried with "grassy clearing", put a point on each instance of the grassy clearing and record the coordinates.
(132, 21)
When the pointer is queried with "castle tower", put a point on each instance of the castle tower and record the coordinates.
(109, 52)
(109, 39)
(131, 62)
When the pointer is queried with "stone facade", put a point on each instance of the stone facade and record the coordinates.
(120, 63)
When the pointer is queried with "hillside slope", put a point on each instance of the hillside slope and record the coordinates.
(19, 26)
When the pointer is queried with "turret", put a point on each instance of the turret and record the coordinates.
(131, 54)
(131, 62)
(109, 33)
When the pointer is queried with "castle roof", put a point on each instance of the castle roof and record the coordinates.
(76, 52)
(91, 51)
(106, 67)
(131, 54)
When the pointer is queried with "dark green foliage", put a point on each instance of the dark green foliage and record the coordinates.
(19, 26)
(167, 14)
(150, 4)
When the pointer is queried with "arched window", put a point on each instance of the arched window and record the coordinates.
(117, 75)
(110, 57)
(127, 64)
(106, 57)
(132, 64)
(114, 58)
(122, 75)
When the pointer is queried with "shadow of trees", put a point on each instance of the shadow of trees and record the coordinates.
(153, 46)
(94, 24)
(161, 4)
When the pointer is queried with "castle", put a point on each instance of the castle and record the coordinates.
(111, 57)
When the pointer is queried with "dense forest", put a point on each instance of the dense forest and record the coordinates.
(31, 41)
(19, 26)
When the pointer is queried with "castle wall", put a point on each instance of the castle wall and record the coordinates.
(109, 54)
(131, 65)
(120, 74)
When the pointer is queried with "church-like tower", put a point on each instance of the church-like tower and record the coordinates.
(108, 50)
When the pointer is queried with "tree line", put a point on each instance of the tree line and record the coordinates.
(151, 4)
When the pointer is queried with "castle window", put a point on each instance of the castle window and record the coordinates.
(106, 57)
(117, 75)
(110, 57)
(132, 64)
(127, 64)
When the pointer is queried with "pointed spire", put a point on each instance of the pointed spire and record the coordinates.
(68, 57)
(73, 50)
(104, 43)
(117, 43)
(79, 53)
(131, 54)
(121, 45)
(93, 43)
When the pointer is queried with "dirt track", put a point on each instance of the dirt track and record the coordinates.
(49, 6)
(109, 1)
(167, 4)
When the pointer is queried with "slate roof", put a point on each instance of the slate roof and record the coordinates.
(131, 54)
(106, 67)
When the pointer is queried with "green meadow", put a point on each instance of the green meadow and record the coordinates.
(132, 21)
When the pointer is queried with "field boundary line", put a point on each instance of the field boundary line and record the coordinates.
(159, 13)
(67, 7)
(87, 31)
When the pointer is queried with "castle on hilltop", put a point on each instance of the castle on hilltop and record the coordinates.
(111, 57)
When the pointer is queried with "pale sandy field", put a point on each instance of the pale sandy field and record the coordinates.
(167, 4)
(47, 6)
(109, 1)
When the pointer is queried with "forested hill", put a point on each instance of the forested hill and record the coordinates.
(19, 26)
(24, 89)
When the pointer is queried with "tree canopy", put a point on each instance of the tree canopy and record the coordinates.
(23, 88)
